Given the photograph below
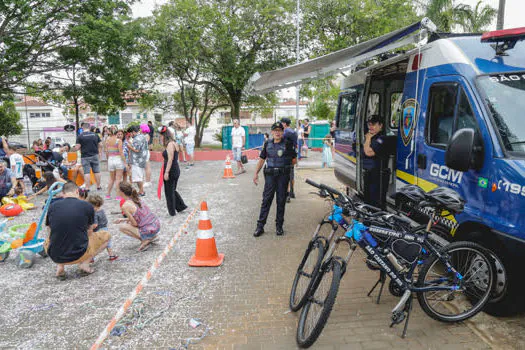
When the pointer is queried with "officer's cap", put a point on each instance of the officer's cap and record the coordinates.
(277, 125)
(286, 121)
(374, 119)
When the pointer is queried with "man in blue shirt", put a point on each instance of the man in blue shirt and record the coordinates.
(90, 146)
(291, 136)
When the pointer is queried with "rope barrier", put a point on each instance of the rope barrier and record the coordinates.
(147, 276)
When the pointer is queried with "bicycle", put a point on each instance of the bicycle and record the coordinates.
(446, 272)
(317, 247)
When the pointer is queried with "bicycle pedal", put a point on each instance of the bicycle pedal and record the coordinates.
(397, 318)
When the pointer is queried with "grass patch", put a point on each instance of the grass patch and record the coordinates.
(214, 147)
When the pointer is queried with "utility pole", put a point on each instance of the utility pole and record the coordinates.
(501, 15)
(27, 121)
(297, 48)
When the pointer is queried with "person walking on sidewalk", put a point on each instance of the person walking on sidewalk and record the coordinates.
(238, 141)
(291, 136)
(90, 146)
(307, 130)
(279, 156)
(171, 171)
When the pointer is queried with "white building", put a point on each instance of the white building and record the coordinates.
(40, 120)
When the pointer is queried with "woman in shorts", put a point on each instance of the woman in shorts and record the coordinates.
(116, 162)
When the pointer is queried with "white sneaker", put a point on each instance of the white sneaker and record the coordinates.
(147, 184)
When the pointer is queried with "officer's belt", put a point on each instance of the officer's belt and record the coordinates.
(277, 171)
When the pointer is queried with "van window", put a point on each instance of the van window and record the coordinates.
(395, 109)
(442, 101)
(347, 111)
(445, 118)
(466, 117)
(373, 104)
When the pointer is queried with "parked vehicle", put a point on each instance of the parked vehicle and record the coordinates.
(18, 146)
(452, 112)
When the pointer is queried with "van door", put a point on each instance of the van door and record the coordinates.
(447, 105)
(345, 137)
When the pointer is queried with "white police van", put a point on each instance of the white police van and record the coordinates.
(454, 116)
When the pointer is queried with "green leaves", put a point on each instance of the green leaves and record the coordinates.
(9, 119)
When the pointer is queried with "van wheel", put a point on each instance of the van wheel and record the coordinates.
(507, 295)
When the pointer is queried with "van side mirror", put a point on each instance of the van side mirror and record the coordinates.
(460, 150)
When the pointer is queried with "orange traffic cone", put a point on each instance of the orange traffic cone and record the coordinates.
(206, 250)
(228, 172)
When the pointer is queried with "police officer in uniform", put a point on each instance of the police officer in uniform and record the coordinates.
(373, 154)
(280, 156)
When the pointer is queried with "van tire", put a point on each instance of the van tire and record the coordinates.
(513, 301)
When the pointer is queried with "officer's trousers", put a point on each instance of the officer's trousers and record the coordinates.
(274, 184)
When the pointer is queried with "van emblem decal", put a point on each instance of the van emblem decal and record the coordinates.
(407, 124)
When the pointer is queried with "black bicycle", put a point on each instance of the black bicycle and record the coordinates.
(317, 247)
(453, 282)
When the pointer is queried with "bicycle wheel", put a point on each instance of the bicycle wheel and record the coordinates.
(319, 305)
(306, 272)
(473, 290)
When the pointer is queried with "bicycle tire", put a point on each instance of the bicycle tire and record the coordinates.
(306, 336)
(484, 279)
(311, 262)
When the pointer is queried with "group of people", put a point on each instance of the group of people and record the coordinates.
(78, 228)
(185, 139)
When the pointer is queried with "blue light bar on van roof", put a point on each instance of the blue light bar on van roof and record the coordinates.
(503, 35)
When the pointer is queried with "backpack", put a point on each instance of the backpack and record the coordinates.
(29, 171)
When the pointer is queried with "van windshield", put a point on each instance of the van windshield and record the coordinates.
(505, 97)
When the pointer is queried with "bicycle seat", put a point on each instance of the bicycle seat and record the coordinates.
(445, 198)
(411, 193)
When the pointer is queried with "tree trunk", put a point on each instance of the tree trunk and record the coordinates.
(77, 113)
(501, 15)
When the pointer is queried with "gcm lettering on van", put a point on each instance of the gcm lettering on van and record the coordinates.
(445, 173)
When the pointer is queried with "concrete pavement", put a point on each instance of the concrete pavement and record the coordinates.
(244, 302)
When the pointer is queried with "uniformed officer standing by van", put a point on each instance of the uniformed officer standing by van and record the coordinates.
(280, 156)
(373, 151)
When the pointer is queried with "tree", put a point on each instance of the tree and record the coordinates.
(9, 119)
(475, 20)
(332, 25)
(217, 46)
(323, 96)
(32, 32)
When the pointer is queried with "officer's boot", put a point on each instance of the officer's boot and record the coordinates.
(279, 230)
(258, 231)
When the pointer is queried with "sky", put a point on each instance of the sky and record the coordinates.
(514, 10)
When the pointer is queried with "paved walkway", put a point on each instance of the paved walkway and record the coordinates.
(244, 302)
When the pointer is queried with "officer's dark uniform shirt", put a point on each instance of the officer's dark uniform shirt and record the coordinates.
(290, 135)
(378, 146)
(278, 155)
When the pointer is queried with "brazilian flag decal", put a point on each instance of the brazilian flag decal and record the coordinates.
(483, 182)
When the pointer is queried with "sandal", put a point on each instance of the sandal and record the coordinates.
(84, 273)
(61, 277)
(113, 257)
(142, 194)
